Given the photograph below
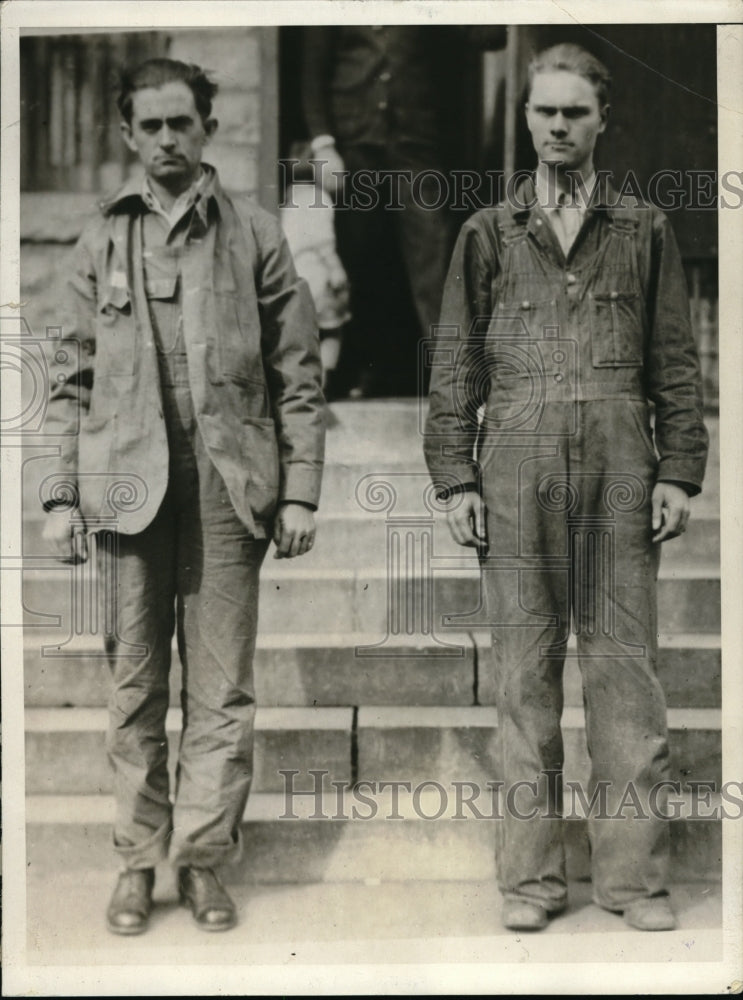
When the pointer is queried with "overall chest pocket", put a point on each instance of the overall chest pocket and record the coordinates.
(115, 333)
(522, 338)
(617, 327)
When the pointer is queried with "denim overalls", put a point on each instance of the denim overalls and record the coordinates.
(567, 468)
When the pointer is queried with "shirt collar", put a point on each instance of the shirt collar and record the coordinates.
(194, 195)
(547, 193)
(208, 191)
(523, 200)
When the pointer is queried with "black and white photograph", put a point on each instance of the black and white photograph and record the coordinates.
(372, 393)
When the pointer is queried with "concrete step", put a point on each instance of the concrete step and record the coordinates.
(689, 669)
(284, 845)
(336, 670)
(65, 747)
(372, 442)
(459, 744)
(356, 538)
(66, 753)
(389, 937)
(346, 600)
(289, 669)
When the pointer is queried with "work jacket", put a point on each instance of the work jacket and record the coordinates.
(523, 326)
(253, 359)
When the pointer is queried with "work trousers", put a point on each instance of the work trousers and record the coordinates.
(569, 531)
(194, 570)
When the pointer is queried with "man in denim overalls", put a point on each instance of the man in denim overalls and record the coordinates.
(571, 314)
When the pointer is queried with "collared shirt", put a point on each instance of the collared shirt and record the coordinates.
(183, 202)
(164, 236)
(565, 211)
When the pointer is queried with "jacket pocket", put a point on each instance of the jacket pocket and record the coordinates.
(115, 347)
(261, 456)
(616, 320)
(236, 352)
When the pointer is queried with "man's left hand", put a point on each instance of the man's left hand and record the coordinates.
(670, 511)
(293, 530)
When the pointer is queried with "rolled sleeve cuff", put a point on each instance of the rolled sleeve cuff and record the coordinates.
(302, 485)
(685, 474)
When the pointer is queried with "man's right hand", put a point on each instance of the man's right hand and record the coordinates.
(466, 519)
(65, 537)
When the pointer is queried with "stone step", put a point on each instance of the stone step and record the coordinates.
(391, 932)
(284, 845)
(346, 600)
(289, 669)
(356, 538)
(65, 748)
(689, 669)
(336, 670)
(381, 439)
(459, 744)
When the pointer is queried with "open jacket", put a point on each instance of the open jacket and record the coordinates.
(253, 356)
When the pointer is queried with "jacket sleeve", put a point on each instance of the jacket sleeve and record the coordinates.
(458, 382)
(673, 377)
(71, 370)
(291, 359)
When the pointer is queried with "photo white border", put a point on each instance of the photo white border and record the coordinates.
(549, 977)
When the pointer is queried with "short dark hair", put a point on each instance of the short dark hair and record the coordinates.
(158, 72)
(573, 59)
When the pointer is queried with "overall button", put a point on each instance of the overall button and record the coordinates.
(385, 77)
(571, 279)
(614, 295)
(526, 304)
(382, 105)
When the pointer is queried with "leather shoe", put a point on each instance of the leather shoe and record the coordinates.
(129, 909)
(212, 908)
(519, 915)
(650, 914)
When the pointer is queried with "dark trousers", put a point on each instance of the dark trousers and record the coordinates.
(193, 571)
(569, 529)
(396, 260)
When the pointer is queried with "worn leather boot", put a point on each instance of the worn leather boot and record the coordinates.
(521, 915)
(129, 909)
(652, 914)
(211, 906)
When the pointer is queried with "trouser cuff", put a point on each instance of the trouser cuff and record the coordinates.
(196, 855)
(149, 852)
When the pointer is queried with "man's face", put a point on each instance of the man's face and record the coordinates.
(167, 132)
(565, 119)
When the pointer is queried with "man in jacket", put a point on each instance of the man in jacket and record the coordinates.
(571, 314)
(192, 367)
